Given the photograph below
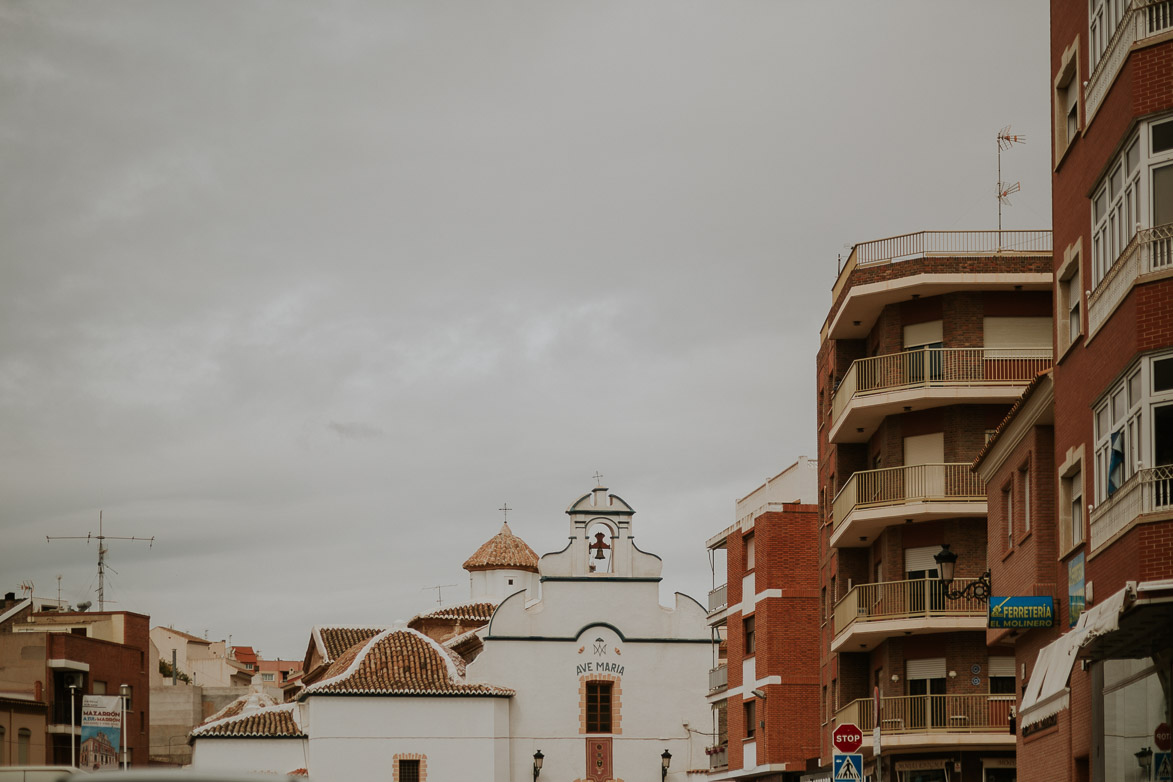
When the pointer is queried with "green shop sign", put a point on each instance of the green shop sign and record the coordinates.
(1021, 613)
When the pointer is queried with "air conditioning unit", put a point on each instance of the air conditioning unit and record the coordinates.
(74, 680)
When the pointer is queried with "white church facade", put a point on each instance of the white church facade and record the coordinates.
(568, 662)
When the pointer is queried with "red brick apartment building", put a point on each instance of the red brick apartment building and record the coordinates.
(931, 337)
(765, 679)
(1080, 476)
(43, 653)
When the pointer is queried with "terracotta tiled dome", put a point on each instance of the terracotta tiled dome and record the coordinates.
(503, 551)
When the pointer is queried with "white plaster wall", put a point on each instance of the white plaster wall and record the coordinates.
(356, 738)
(279, 756)
(662, 663)
(493, 585)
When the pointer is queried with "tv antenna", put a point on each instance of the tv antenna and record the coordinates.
(101, 537)
(1006, 140)
(440, 591)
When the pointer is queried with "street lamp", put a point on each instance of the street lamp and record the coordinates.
(1144, 759)
(978, 589)
(124, 693)
(538, 758)
(72, 725)
(665, 761)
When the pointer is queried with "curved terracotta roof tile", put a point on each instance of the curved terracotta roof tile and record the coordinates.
(476, 612)
(269, 722)
(399, 662)
(503, 551)
(336, 640)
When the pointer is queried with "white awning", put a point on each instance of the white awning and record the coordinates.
(1047, 692)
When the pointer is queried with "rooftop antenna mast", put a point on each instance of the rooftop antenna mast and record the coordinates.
(101, 537)
(440, 591)
(1006, 140)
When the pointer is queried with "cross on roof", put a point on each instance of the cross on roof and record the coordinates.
(598, 477)
(505, 509)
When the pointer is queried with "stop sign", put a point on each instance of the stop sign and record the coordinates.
(1161, 737)
(847, 738)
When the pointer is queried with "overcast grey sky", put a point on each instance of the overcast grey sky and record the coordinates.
(308, 290)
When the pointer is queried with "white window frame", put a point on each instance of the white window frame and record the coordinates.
(1125, 410)
(1121, 203)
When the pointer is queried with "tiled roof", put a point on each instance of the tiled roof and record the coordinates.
(1011, 414)
(475, 612)
(336, 640)
(243, 719)
(182, 634)
(253, 699)
(400, 661)
(503, 550)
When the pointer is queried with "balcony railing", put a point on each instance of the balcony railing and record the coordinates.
(718, 598)
(718, 756)
(931, 714)
(718, 678)
(938, 367)
(1143, 19)
(913, 599)
(1147, 491)
(902, 485)
(1151, 250)
(948, 243)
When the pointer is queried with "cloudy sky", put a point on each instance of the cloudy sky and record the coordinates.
(307, 290)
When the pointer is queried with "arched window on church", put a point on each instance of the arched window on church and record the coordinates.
(599, 539)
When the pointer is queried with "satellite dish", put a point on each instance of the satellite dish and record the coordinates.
(84, 606)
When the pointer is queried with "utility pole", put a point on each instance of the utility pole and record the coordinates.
(101, 537)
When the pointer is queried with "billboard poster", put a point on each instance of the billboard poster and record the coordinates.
(101, 732)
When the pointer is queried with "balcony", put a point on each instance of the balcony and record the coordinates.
(864, 286)
(718, 679)
(1147, 491)
(871, 613)
(718, 757)
(60, 712)
(1150, 251)
(934, 720)
(874, 388)
(874, 499)
(1143, 19)
(718, 603)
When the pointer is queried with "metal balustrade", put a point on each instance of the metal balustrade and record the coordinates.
(1143, 19)
(719, 757)
(718, 598)
(1147, 491)
(938, 368)
(718, 678)
(901, 485)
(1151, 250)
(912, 599)
(931, 714)
(948, 243)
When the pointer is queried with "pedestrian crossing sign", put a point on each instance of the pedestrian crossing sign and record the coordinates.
(1163, 766)
(848, 767)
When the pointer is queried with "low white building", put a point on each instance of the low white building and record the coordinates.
(579, 663)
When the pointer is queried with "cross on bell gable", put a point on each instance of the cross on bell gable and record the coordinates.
(599, 546)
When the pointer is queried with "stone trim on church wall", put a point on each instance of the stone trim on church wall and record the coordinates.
(616, 700)
(423, 759)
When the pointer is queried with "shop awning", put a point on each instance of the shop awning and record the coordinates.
(1047, 692)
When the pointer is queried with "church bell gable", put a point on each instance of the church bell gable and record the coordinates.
(601, 542)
